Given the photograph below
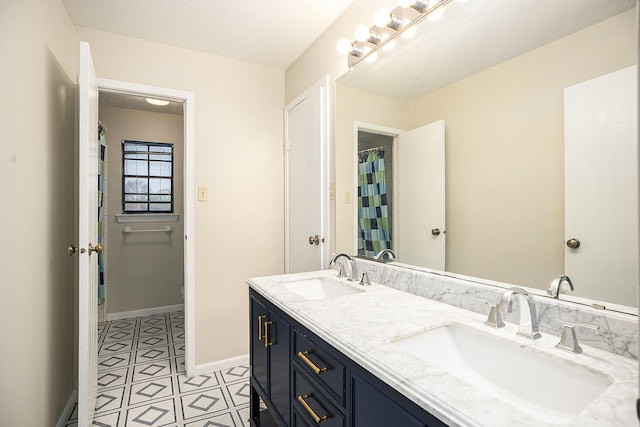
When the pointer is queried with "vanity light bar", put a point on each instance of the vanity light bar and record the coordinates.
(395, 25)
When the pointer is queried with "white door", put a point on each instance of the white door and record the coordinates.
(306, 203)
(87, 236)
(420, 236)
(601, 186)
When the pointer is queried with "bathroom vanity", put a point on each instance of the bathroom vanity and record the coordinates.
(330, 351)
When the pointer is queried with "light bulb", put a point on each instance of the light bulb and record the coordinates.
(405, 3)
(381, 18)
(362, 33)
(435, 16)
(343, 46)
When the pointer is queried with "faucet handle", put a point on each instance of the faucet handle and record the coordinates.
(569, 340)
(365, 279)
(495, 318)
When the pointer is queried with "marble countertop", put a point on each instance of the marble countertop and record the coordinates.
(361, 325)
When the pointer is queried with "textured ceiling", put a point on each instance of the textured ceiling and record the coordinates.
(473, 36)
(271, 33)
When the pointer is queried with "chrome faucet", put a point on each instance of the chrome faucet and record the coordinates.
(385, 255)
(352, 266)
(556, 286)
(528, 316)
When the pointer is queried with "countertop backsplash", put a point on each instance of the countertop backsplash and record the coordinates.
(617, 333)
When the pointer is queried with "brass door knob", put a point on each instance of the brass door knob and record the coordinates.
(435, 232)
(97, 248)
(314, 240)
(73, 249)
(573, 243)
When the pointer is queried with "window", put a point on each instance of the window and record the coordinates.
(147, 177)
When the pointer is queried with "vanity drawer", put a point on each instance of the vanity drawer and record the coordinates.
(320, 365)
(311, 406)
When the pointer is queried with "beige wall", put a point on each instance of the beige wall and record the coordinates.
(37, 82)
(142, 270)
(504, 160)
(511, 112)
(238, 155)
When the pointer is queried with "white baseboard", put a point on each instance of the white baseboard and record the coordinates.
(68, 409)
(219, 365)
(144, 312)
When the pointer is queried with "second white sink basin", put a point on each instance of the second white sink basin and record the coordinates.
(320, 288)
(546, 387)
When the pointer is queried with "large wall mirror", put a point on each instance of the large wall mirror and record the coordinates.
(495, 72)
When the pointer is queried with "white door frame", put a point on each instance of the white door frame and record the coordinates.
(188, 99)
(323, 86)
(380, 130)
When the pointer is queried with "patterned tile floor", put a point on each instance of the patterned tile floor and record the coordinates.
(142, 382)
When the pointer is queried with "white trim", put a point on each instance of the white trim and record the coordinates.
(68, 409)
(144, 312)
(218, 365)
(188, 99)
(381, 130)
(141, 218)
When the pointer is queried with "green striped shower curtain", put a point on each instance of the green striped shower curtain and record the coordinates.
(102, 132)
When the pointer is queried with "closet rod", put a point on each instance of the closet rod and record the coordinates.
(167, 230)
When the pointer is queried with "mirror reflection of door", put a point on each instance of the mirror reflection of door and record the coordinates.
(601, 187)
(421, 238)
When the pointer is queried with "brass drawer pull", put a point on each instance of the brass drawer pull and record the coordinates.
(260, 333)
(303, 355)
(311, 412)
(266, 334)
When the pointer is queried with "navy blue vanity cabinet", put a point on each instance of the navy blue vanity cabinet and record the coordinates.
(270, 364)
(316, 384)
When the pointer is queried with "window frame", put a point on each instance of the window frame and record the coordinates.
(148, 176)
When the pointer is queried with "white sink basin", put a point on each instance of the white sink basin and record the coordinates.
(320, 288)
(545, 387)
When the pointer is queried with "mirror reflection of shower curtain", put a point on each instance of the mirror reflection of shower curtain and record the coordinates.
(373, 215)
(102, 136)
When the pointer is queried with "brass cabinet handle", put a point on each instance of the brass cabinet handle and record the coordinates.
(311, 412)
(97, 248)
(260, 333)
(303, 355)
(573, 243)
(266, 334)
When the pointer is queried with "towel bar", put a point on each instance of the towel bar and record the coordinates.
(167, 230)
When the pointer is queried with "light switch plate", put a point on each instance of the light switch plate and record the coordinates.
(203, 193)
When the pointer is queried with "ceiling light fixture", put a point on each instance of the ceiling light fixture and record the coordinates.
(159, 102)
(388, 26)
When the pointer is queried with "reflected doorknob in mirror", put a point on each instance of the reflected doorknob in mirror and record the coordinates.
(573, 243)
(97, 248)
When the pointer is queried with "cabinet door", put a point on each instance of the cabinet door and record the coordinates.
(279, 336)
(371, 408)
(259, 353)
